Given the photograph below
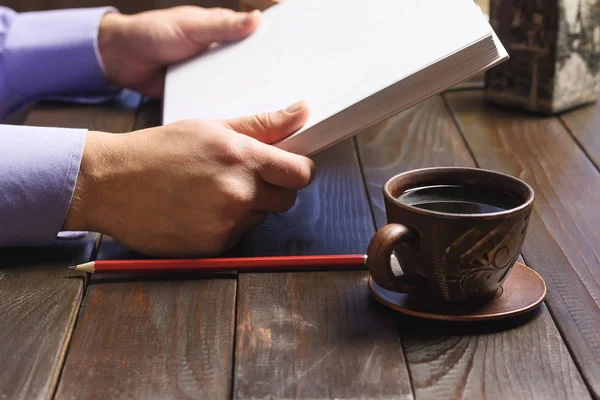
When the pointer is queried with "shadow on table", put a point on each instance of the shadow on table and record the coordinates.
(63, 252)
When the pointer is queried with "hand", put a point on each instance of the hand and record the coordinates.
(135, 49)
(191, 188)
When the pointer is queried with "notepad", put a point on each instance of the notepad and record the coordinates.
(355, 62)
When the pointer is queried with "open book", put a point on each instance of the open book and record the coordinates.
(355, 62)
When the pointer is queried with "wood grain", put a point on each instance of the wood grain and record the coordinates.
(521, 358)
(313, 336)
(152, 337)
(424, 136)
(39, 300)
(584, 124)
(517, 358)
(318, 334)
(39, 296)
(563, 241)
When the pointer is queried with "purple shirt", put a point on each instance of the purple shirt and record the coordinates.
(45, 54)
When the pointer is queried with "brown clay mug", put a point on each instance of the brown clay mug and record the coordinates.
(456, 232)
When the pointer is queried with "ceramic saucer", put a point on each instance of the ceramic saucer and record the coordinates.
(523, 290)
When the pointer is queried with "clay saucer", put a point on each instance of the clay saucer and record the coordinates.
(523, 290)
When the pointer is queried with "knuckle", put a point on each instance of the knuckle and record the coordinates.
(239, 197)
(235, 151)
(222, 14)
(305, 171)
(263, 121)
(219, 10)
(242, 198)
(181, 8)
(187, 125)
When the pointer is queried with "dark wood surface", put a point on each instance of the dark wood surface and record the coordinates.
(455, 360)
(39, 296)
(584, 124)
(39, 301)
(563, 242)
(319, 334)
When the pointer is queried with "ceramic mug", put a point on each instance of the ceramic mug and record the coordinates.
(456, 232)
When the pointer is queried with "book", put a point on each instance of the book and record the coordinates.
(474, 82)
(355, 62)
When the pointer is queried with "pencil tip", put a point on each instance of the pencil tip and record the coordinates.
(85, 267)
(73, 267)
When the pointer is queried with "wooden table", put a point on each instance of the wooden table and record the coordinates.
(321, 335)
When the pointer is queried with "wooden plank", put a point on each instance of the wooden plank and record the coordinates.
(116, 116)
(39, 296)
(584, 124)
(518, 358)
(152, 337)
(39, 300)
(563, 241)
(317, 334)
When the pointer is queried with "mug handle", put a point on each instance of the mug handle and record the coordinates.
(378, 259)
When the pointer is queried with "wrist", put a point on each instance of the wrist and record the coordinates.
(112, 45)
(88, 208)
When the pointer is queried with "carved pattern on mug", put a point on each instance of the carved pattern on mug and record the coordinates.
(480, 259)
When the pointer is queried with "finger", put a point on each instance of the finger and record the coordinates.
(271, 127)
(205, 26)
(281, 168)
(274, 199)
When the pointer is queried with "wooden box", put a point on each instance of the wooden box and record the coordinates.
(554, 47)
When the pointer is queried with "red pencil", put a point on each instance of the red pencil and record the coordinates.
(239, 264)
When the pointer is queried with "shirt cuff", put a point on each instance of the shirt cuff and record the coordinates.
(38, 172)
(54, 53)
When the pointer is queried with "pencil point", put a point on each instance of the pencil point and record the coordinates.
(86, 267)
(73, 267)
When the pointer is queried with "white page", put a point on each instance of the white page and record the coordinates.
(332, 53)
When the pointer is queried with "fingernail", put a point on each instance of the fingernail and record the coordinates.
(295, 107)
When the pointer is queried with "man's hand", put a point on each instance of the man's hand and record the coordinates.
(191, 188)
(135, 49)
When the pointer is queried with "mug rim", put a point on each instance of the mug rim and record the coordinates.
(525, 204)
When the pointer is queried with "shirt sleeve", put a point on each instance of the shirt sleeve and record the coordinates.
(38, 172)
(49, 53)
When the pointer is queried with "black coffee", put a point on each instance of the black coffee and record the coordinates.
(456, 199)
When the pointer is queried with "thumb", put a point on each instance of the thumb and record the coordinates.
(221, 24)
(271, 127)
